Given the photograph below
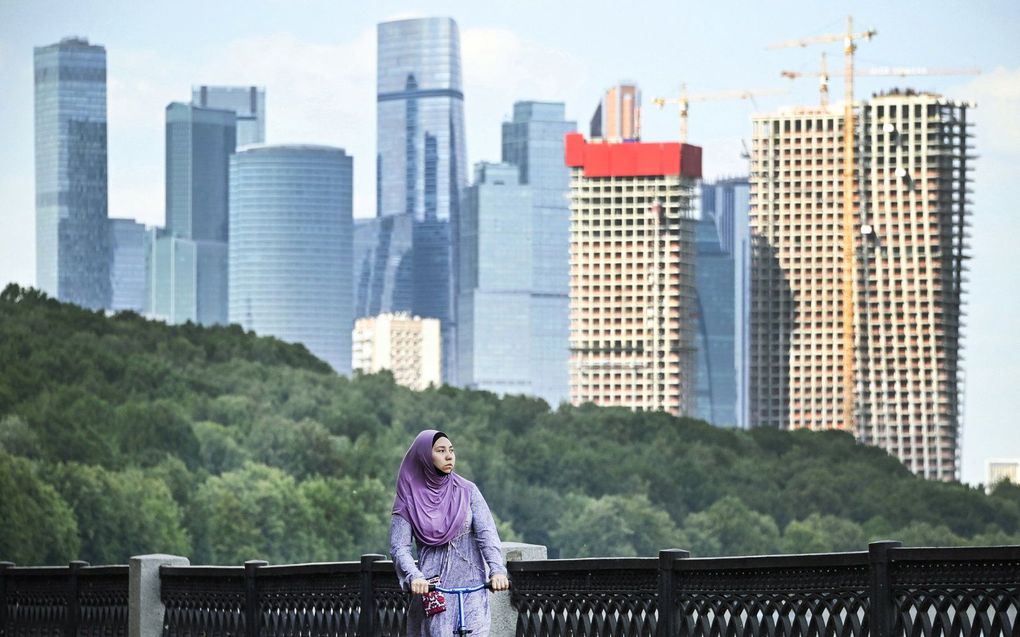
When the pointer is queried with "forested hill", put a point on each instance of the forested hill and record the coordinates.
(121, 436)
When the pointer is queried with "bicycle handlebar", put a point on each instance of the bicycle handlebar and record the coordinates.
(462, 589)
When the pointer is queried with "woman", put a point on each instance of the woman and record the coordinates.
(455, 535)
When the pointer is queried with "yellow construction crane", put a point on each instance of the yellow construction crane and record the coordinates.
(823, 74)
(849, 39)
(684, 99)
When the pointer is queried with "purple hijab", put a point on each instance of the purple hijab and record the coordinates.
(435, 504)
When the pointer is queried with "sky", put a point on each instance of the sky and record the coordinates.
(316, 59)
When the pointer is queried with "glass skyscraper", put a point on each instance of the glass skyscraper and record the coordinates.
(383, 265)
(128, 244)
(494, 300)
(291, 232)
(189, 264)
(533, 141)
(72, 236)
(421, 161)
(248, 104)
(723, 284)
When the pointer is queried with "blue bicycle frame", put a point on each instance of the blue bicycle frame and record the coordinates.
(460, 592)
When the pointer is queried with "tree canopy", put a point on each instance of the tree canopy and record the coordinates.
(120, 436)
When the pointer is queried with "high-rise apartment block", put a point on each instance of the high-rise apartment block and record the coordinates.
(291, 232)
(188, 267)
(632, 281)
(904, 280)
(72, 236)
(421, 165)
(617, 118)
(1001, 470)
(248, 104)
(408, 346)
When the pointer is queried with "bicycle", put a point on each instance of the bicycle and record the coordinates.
(460, 592)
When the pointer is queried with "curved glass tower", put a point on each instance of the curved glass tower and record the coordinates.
(291, 233)
(422, 162)
(421, 165)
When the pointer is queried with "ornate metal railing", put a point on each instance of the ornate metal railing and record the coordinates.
(257, 600)
(585, 598)
(887, 591)
(77, 600)
(953, 592)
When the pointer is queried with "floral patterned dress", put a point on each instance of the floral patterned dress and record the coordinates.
(468, 559)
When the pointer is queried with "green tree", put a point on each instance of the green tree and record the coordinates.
(120, 514)
(613, 525)
(255, 512)
(730, 527)
(349, 517)
(822, 534)
(38, 525)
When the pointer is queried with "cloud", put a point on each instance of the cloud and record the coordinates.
(501, 68)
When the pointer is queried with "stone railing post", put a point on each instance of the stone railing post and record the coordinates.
(145, 604)
(667, 625)
(881, 605)
(504, 615)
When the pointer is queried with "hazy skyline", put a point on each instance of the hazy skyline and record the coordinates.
(316, 60)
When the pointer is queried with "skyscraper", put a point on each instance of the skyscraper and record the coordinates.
(72, 236)
(533, 141)
(494, 303)
(421, 162)
(724, 288)
(128, 247)
(291, 234)
(248, 104)
(617, 117)
(716, 378)
(383, 265)
(189, 275)
(632, 274)
(905, 276)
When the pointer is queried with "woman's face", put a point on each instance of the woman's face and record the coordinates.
(442, 455)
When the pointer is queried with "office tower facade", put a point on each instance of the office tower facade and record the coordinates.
(494, 302)
(408, 346)
(904, 280)
(632, 274)
(533, 142)
(129, 244)
(716, 376)
(723, 244)
(383, 265)
(72, 236)
(189, 261)
(291, 232)
(617, 117)
(248, 104)
(422, 162)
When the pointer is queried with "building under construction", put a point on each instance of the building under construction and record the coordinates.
(903, 279)
(632, 287)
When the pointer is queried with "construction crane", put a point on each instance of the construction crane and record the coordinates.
(849, 39)
(684, 99)
(884, 71)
